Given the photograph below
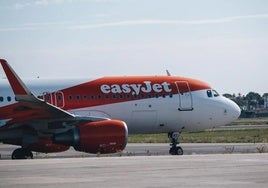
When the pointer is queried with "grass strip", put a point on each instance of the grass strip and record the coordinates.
(221, 136)
(250, 121)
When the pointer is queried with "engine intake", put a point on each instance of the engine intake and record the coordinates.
(108, 136)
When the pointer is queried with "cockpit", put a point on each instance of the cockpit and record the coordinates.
(212, 93)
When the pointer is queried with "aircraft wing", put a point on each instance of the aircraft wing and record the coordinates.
(30, 108)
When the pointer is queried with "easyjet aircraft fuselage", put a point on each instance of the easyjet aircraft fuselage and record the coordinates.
(135, 104)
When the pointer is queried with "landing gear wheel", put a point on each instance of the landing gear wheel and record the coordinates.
(22, 153)
(179, 151)
(174, 150)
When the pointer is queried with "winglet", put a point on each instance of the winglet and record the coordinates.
(16, 83)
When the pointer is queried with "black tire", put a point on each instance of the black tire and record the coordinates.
(171, 151)
(176, 151)
(22, 153)
(179, 151)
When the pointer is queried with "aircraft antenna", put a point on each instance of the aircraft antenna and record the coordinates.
(168, 73)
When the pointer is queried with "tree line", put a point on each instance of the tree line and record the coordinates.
(252, 104)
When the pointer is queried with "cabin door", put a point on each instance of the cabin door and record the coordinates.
(185, 96)
(55, 98)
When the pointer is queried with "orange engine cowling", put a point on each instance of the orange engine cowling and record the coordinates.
(47, 146)
(107, 136)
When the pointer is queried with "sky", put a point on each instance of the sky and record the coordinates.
(222, 42)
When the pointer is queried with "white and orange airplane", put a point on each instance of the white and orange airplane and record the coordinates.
(96, 116)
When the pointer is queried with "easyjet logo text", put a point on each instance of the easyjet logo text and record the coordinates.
(146, 87)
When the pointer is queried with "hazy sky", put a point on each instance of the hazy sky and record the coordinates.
(222, 42)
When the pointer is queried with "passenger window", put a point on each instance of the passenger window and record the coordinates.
(106, 96)
(47, 97)
(77, 97)
(59, 97)
(170, 95)
(209, 93)
(85, 97)
(70, 97)
(1, 99)
(8, 99)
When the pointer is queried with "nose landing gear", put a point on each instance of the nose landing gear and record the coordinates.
(175, 150)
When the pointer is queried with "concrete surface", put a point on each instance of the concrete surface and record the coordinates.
(153, 149)
(214, 170)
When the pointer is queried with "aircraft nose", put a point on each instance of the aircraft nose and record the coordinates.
(233, 111)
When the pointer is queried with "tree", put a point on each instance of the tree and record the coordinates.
(265, 100)
(265, 95)
(227, 95)
(254, 100)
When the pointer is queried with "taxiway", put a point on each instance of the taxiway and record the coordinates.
(152, 150)
(217, 170)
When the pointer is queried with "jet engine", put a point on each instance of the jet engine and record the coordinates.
(107, 136)
(47, 146)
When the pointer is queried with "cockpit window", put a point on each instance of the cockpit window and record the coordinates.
(215, 93)
(212, 93)
(209, 93)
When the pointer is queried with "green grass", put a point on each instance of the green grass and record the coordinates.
(250, 121)
(225, 136)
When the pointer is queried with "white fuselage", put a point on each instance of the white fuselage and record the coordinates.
(189, 111)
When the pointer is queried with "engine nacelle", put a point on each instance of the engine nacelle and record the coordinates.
(107, 136)
(47, 146)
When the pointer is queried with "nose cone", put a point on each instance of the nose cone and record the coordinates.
(232, 110)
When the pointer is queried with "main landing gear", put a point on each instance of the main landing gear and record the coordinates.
(175, 150)
(22, 153)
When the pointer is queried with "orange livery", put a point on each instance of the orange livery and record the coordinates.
(96, 116)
